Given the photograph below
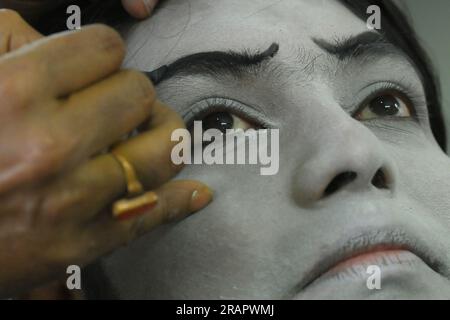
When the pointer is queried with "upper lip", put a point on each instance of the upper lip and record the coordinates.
(368, 241)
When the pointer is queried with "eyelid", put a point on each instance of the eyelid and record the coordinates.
(411, 99)
(216, 104)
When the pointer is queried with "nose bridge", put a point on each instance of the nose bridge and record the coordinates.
(346, 155)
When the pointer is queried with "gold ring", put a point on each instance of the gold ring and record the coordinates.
(129, 208)
(134, 186)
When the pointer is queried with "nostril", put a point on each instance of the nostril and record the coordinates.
(339, 181)
(379, 180)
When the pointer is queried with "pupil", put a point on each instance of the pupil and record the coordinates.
(385, 105)
(220, 120)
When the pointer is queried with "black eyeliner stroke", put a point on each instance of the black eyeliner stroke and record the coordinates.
(212, 63)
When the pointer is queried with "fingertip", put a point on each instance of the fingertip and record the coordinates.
(139, 9)
(106, 37)
(191, 195)
(201, 197)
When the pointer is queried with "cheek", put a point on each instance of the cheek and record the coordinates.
(424, 176)
(231, 242)
(240, 191)
(249, 211)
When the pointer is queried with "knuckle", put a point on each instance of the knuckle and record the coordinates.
(176, 203)
(170, 167)
(141, 83)
(18, 79)
(108, 38)
(165, 210)
(176, 123)
(166, 118)
(171, 214)
(25, 205)
(46, 154)
(173, 121)
(56, 243)
(8, 16)
(56, 205)
(42, 151)
(160, 171)
(172, 118)
(11, 93)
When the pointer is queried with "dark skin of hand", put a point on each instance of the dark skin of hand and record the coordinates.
(58, 110)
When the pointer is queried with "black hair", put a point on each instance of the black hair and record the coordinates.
(394, 26)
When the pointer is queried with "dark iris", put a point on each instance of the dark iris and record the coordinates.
(385, 105)
(219, 120)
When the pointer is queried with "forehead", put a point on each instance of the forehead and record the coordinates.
(185, 27)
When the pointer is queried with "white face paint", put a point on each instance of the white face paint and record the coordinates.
(280, 236)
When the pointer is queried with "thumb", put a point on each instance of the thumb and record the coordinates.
(139, 9)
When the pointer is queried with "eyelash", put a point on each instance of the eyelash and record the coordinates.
(407, 93)
(209, 106)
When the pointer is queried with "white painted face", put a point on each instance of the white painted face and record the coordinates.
(359, 168)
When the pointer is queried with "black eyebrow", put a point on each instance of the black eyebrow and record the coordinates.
(213, 63)
(369, 42)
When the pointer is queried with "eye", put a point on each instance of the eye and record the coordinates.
(225, 113)
(388, 104)
(223, 121)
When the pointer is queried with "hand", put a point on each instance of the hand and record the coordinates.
(58, 111)
(137, 8)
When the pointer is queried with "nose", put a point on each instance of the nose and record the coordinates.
(348, 157)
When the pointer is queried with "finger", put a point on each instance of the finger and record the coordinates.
(86, 124)
(14, 31)
(175, 201)
(94, 185)
(105, 111)
(68, 61)
(139, 9)
(150, 151)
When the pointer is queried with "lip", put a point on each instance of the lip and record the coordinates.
(383, 256)
(385, 246)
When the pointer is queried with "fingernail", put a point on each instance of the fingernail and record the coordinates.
(201, 198)
(127, 208)
(149, 5)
